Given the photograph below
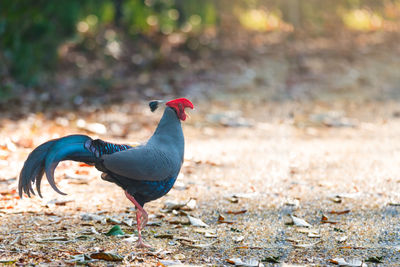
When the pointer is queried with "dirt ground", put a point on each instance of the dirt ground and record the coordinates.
(278, 177)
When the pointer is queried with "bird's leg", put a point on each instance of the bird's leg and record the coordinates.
(141, 219)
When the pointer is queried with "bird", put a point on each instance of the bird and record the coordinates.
(145, 172)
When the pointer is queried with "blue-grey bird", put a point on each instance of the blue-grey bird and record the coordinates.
(145, 172)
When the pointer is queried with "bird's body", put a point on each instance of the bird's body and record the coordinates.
(145, 172)
(148, 171)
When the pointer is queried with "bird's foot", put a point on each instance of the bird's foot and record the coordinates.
(141, 244)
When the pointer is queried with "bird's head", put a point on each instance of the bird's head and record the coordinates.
(178, 105)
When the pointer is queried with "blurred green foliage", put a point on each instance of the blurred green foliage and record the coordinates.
(32, 31)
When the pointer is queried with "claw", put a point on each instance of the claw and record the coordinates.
(141, 244)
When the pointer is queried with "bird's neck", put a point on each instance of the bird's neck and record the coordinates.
(169, 129)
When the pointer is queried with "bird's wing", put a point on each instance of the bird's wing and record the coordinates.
(142, 163)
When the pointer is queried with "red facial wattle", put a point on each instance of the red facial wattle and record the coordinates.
(179, 105)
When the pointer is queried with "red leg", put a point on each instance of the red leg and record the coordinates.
(141, 218)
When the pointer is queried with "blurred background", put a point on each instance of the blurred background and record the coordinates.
(72, 53)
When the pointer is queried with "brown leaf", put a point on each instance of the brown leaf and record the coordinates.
(221, 219)
(235, 212)
(339, 212)
(106, 256)
(324, 219)
(170, 236)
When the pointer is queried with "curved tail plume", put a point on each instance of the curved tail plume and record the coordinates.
(45, 158)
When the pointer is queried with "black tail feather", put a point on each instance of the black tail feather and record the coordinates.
(45, 158)
(32, 167)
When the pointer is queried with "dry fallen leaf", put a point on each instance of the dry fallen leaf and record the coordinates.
(196, 222)
(221, 219)
(172, 205)
(191, 204)
(250, 263)
(307, 230)
(164, 235)
(235, 212)
(59, 202)
(196, 245)
(178, 220)
(341, 239)
(112, 220)
(314, 235)
(106, 256)
(339, 212)
(210, 233)
(306, 245)
(238, 239)
(128, 222)
(343, 262)
(80, 259)
(169, 263)
(131, 239)
(93, 217)
(300, 222)
(324, 219)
